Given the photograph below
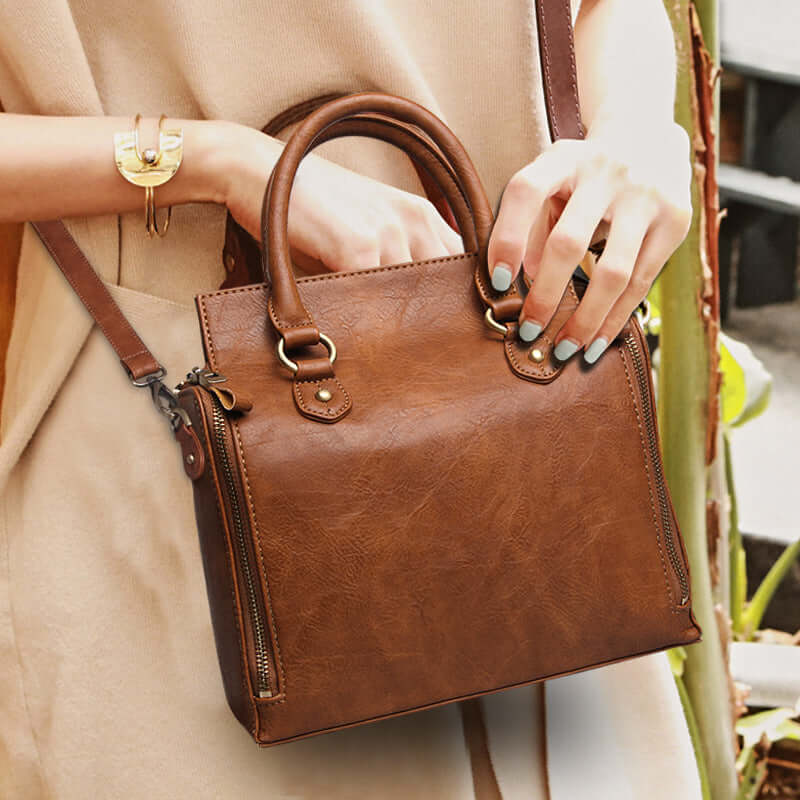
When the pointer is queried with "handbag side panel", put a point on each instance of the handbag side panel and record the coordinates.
(216, 547)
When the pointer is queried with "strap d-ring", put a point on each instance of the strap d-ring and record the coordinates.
(489, 319)
(292, 365)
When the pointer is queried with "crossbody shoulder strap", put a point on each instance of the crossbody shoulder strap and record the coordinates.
(559, 76)
(556, 49)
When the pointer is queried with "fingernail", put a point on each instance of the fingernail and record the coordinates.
(529, 330)
(595, 349)
(564, 349)
(501, 277)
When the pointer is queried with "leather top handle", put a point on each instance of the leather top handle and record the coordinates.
(241, 255)
(286, 310)
(430, 164)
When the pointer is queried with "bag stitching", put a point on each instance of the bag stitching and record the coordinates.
(306, 323)
(532, 372)
(572, 82)
(546, 61)
(260, 287)
(332, 412)
(523, 369)
(90, 306)
(670, 596)
(234, 425)
(279, 660)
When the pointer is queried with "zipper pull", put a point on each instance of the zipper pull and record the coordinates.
(211, 381)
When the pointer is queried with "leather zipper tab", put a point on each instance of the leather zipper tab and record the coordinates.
(229, 399)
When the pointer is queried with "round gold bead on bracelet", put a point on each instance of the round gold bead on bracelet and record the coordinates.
(149, 168)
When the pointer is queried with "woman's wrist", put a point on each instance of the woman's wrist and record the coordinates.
(210, 153)
(64, 166)
(230, 154)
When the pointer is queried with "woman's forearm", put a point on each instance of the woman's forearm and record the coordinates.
(64, 166)
(625, 56)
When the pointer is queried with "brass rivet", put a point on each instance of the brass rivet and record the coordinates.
(190, 458)
(536, 355)
(323, 395)
(230, 262)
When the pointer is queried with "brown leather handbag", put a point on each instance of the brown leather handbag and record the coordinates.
(400, 504)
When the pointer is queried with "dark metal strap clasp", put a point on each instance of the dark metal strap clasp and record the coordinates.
(164, 399)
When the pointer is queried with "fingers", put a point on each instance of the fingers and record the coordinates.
(611, 278)
(552, 209)
(563, 249)
(540, 230)
(452, 241)
(432, 237)
(657, 247)
(431, 229)
(404, 228)
(524, 199)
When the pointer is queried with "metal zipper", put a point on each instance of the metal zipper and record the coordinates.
(204, 377)
(666, 516)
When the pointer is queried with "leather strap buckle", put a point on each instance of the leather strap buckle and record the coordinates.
(151, 377)
(166, 403)
(164, 399)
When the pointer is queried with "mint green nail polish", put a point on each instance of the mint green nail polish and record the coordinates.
(564, 349)
(501, 278)
(595, 349)
(529, 330)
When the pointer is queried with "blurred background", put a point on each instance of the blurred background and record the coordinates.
(759, 186)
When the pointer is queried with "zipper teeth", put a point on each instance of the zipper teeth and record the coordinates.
(259, 631)
(666, 516)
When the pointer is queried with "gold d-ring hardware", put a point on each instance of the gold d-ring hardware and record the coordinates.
(149, 168)
(493, 323)
(292, 365)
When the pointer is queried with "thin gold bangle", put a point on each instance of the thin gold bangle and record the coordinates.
(149, 168)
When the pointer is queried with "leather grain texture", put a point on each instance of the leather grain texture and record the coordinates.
(461, 530)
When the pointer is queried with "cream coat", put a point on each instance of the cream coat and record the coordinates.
(109, 685)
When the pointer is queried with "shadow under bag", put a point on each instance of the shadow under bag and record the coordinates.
(401, 504)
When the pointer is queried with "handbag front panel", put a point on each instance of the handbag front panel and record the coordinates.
(461, 530)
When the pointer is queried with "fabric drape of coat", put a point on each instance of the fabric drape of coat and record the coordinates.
(109, 684)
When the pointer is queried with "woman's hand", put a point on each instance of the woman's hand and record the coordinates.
(338, 218)
(634, 182)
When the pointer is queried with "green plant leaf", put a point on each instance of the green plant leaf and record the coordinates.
(789, 730)
(775, 724)
(676, 656)
(750, 619)
(739, 599)
(746, 384)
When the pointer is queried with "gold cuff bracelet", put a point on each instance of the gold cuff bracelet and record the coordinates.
(149, 168)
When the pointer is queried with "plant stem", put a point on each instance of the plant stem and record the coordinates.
(738, 594)
(694, 733)
(683, 402)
